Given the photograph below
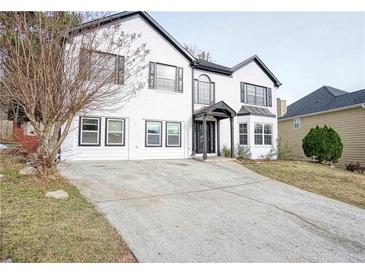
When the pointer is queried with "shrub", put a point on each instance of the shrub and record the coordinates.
(27, 144)
(355, 167)
(323, 144)
(243, 152)
(226, 152)
(284, 152)
(270, 155)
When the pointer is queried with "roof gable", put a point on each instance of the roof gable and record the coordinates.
(200, 64)
(144, 15)
(261, 64)
(322, 99)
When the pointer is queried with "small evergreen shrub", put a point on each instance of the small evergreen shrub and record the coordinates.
(322, 144)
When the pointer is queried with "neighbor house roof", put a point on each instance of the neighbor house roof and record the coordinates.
(324, 99)
(201, 64)
(251, 110)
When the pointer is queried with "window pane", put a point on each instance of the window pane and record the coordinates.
(267, 139)
(103, 66)
(166, 77)
(204, 92)
(153, 139)
(258, 128)
(154, 128)
(114, 125)
(90, 121)
(115, 138)
(204, 78)
(243, 140)
(173, 128)
(89, 138)
(258, 139)
(243, 128)
(267, 129)
(90, 127)
(167, 72)
(173, 140)
(165, 84)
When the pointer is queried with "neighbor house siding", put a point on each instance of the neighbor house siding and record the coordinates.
(349, 124)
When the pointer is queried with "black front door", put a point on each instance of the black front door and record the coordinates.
(210, 136)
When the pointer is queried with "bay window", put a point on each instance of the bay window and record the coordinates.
(263, 134)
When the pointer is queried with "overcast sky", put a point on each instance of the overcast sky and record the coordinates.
(304, 50)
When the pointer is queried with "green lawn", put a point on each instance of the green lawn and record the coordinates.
(38, 229)
(335, 183)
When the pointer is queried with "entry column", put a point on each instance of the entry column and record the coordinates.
(232, 137)
(205, 137)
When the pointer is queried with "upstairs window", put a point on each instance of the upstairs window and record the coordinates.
(102, 67)
(204, 90)
(256, 95)
(165, 77)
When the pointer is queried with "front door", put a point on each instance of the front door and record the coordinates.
(210, 136)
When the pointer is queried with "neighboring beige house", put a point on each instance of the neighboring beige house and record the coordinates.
(341, 110)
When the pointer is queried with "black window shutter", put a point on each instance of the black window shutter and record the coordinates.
(243, 97)
(84, 65)
(151, 75)
(180, 79)
(120, 70)
(196, 94)
(269, 97)
(212, 90)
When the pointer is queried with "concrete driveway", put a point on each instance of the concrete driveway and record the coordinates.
(191, 211)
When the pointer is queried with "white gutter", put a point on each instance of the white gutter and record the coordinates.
(323, 112)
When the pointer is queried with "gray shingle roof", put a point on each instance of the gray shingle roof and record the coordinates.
(210, 66)
(322, 99)
(250, 110)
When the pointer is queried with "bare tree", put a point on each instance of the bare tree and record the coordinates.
(199, 53)
(55, 70)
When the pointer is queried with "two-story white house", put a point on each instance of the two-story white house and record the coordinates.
(188, 107)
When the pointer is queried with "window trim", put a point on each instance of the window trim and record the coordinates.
(117, 57)
(239, 133)
(106, 132)
(263, 133)
(176, 77)
(244, 98)
(146, 135)
(211, 91)
(98, 131)
(167, 135)
(298, 119)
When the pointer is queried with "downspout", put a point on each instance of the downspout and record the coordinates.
(192, 110)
